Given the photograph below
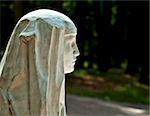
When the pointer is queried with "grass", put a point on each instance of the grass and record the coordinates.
(113, 86)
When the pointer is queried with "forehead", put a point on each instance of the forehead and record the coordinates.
(70, 28)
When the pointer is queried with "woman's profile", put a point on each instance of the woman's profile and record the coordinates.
(41, 50)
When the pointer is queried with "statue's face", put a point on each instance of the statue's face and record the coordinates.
(70, 53)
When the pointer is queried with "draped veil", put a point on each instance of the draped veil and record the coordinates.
(32, 80)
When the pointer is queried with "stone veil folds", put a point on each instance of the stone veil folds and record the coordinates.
(32, 79)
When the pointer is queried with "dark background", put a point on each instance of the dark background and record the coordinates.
(111, 34)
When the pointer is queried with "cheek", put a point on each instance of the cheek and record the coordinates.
(68, 54)
(68, 48)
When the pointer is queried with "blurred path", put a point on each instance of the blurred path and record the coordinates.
(83, 106)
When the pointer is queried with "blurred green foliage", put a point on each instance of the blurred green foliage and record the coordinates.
(115, 86)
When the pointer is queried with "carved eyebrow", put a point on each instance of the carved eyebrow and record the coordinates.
(70, 34)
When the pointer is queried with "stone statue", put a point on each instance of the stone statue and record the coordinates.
(41, 50)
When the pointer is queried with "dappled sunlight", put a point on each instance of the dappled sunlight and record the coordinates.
(133, 111)
(126, 109)
(95, 107)
(94, 82)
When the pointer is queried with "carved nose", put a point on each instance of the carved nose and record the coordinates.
(76, 51)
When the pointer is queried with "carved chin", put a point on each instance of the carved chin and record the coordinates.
(69, 70)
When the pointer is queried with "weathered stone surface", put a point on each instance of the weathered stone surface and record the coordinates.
(41, 49)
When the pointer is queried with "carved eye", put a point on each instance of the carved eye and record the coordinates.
(73, 44)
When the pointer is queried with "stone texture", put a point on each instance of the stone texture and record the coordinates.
(32, 75)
